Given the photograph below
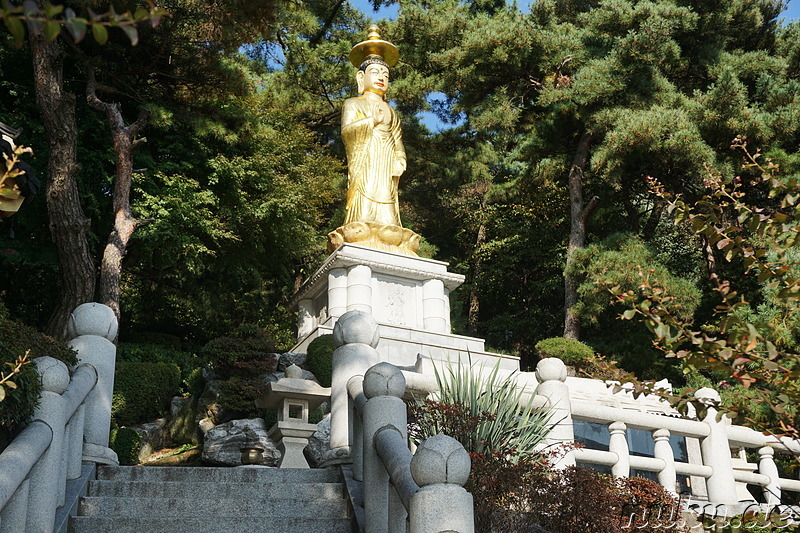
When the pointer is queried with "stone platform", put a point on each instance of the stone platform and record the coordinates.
(408, 296)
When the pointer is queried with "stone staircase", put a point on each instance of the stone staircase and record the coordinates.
(209, 500)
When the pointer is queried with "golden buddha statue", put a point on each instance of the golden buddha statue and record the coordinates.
(375, 155)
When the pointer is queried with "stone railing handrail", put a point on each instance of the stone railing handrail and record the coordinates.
(717, 438)
(393, 450)
(70, 425)
(369, 427)
(19, 458)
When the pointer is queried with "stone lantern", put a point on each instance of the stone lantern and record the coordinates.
(294, 398)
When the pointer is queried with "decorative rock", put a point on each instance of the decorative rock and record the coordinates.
(289, 358)
(93, 319)
(53, 374)
(272, 378)
(356, 327)
(208, 406)
(319, 443)
(223, 443)
(384, 379)
(440, 459)
(183, 427)
(152, 435)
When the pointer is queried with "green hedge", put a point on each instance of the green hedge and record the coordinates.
(572, 352)
(238, 395)
(243, 357)
(126, 442)
(142, 352)
(320, 358)
(142, 391)
(15, 339)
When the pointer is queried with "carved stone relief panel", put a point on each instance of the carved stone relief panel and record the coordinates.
(397, 301)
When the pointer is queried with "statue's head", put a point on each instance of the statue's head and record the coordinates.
(373, 76)
(373, 58)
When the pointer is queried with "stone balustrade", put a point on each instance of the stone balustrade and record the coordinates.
(718, 439)
(70, 425)
(425, 490)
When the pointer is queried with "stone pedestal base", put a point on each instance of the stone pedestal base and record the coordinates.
(291, 439)
(408, 296)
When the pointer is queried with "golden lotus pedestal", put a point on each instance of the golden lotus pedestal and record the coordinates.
(389, 237)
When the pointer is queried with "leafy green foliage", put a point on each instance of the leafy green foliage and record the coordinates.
(241, 356)
(17, 339)
(737, 223)
(238, 395)
(572, 352)
(50, 18)
(126, 442)
(320, 358)
(135, 352)
(142, 391)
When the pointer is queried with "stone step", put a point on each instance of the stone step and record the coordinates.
(215, 474)
(93, 524)
(218, 490)
(221, 508)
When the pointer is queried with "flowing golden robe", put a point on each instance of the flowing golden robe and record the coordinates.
(375, 160)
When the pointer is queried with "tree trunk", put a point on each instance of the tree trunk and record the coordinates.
(474, 298)
(579, 213)
(473, 313)
(68, 224)
(124, 139)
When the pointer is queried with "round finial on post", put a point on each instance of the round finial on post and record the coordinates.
(384, 379)
(440, 459)
(356, 327)
(53, 374)
(293, 371)
(93, 319)
(551, 369)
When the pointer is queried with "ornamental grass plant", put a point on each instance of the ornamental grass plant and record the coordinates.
(483, 411)
(515, 487)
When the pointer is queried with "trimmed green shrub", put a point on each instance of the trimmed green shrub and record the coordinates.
(15, 339)
(320, 358)
(142, 391)
(136, 352)
(238, 356)
(127, 443)
(239, 394)
(572, 352)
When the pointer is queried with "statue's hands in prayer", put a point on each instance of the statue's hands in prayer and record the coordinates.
(378, 117)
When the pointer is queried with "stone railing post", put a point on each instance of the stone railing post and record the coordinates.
(93, 327)
(767, 466)
(46, 484)
(441, 467)
(355, 336)
(552, 374)
(662, 450)
(384, 386)
(716, 452)
(618, 444)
